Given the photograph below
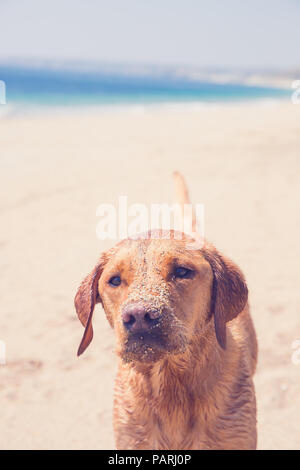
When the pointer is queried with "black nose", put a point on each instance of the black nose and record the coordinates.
(139, 317)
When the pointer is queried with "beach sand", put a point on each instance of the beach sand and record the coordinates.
(242, 161)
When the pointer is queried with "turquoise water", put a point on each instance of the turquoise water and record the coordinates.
(48, 87)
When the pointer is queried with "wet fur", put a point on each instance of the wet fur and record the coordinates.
(189, 386)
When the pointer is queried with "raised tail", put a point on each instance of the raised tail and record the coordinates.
(182, 195)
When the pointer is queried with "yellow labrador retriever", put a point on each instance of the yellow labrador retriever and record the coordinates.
(185, 340)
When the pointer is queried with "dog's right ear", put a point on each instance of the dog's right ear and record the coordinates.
(85, 300)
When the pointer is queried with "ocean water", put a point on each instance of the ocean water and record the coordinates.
(54, 87)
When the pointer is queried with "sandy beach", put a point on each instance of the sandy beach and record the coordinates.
(241, 161)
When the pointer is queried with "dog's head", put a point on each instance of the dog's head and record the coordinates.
(158, 293)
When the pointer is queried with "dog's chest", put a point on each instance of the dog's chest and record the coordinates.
(172, 432)
(173, 418)
(157, 419)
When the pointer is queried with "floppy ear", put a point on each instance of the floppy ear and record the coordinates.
(229, 292)
(86, 298)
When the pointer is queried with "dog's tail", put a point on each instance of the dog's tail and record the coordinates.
(182, 195)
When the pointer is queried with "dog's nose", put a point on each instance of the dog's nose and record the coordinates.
(139, 317)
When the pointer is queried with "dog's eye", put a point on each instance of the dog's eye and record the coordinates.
(182, 273)
(115, 281)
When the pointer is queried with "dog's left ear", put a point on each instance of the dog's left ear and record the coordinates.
(85, 300)
(229, 292)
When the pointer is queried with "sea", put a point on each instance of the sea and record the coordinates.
(25, 88)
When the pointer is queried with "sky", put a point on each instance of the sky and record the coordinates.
(211, 33)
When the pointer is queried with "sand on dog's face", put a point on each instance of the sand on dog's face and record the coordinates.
(146, 269)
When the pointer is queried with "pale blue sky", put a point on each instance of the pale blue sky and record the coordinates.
(222, 33)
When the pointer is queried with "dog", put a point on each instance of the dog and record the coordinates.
(185, 339)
